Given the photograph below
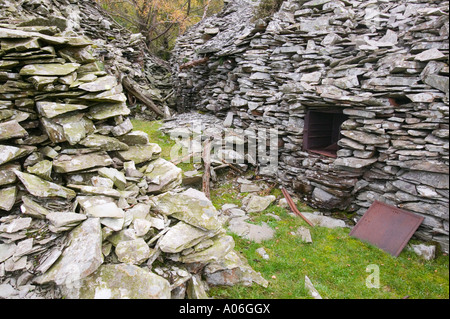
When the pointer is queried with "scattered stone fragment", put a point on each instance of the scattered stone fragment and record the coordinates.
(51, 69)
(72, 163)
(73, 265)
(262, 252)
(304, 234)
(8, 197)
(163, 176)
(42, 188)
(311, 290)
(190, 206)
(256, 203)
(231, 270)
(324, 221)
(120, 281)
(140, 153)
(182, 236)
(133, 251)
(426, 251)
(65, 220)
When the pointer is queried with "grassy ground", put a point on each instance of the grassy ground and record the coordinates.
(335, 263)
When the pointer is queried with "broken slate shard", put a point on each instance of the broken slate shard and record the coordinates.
(42, 188)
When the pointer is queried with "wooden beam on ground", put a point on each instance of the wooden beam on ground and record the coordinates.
(134, 89)
(207, 167)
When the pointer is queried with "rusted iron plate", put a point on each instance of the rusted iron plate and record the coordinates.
(387, 227)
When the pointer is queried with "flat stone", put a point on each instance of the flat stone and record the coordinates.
(256, 233)
(72, 163)
(101, 191)
(101, 84)
(324, 221)
(141, 227)
(123, 128)
(64, 219)
(16, 225)
(140, 153)
(231, 270)
(7, 175)
(42, 188)
(51, 69)
(39, 82)
(190, 206)
(365, 138)
(8, 197)
(19, 34)
(31, 208)
(133, 251)
(162, 176)
(104, 143)
(114, 175)
(391, 81)
(311, 289)
(259, 203)
(109, 210)
(304, 234)
(425, 251)
(249, 188)
(438, 81)
(81, 258)
(120, 281)
(431, 54)
(52, 109)
(134, 138)
(43, 169)
(222, 245)
(8, 292)
(104, 111)
(6, 251)
(353, 162)
(11, 129)
(182, 236)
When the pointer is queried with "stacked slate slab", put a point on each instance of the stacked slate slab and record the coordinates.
(383, 65)
(88, 208)
(121, 51)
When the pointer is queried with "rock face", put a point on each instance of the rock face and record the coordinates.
(381, 71)
(86, 204)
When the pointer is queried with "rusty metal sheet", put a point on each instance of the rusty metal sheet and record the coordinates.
(387, 227)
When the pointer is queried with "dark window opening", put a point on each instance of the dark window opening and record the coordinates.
(322, 132)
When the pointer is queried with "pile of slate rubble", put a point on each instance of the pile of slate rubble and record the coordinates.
(122, 52)
(88, 208)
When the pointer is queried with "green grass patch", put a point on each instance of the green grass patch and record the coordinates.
(164, 141)
(336, 263)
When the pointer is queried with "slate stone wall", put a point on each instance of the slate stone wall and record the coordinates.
(383, 65)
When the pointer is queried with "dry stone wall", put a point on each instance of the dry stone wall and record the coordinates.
(383, 65)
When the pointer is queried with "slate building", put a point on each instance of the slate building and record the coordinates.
(357, 90)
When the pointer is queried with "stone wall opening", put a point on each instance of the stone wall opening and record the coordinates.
(322, 131)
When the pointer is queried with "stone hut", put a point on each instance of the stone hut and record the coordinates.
(357, 90)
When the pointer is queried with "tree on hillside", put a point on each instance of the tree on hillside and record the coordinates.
(160, 21)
